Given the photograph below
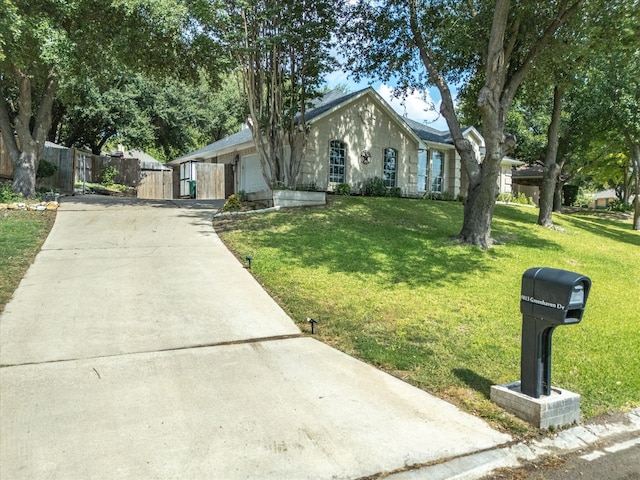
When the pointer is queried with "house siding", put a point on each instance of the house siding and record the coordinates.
(361, 125)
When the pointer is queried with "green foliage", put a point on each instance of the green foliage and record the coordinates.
(389, 286)
(619, 206)
(520, 198)
(242, 196)
(309, 187)
(374, 187)
(395, 192)
(165, 117)
(446, 196)
(232, 203)
(7, 195)
(343, 189)
(46, 169)
(108, 175)
(570, 194)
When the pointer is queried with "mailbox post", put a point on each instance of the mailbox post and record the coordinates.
(549, 297)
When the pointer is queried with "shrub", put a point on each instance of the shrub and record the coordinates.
(232, 203)
(395, 192)
(7, 195)
(520, 199)
(374, 187)
(570, 193)
(46, 169)
(309, 187)
(108, 176)
(343, 189)
(619, 206)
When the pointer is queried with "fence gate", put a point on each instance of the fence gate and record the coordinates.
(210, 181)
(155, 185)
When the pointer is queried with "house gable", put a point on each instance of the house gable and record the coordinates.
(366, 126)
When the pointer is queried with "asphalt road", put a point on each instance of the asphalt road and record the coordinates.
(615, 459)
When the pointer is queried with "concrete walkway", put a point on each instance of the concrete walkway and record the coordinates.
(138, 347)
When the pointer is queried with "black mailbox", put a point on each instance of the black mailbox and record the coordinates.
(549, 297)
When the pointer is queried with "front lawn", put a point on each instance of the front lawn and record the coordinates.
(22, 233)
(387, 284)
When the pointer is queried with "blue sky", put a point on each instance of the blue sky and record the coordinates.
(420, 106)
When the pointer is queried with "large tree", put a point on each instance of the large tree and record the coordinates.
(45, 41)
(609, 96)
(494, 42)
(166, 117)
(282, 49)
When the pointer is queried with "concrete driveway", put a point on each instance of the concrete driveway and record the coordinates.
(138, 347)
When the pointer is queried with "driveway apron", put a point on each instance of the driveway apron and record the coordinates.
(137, 346)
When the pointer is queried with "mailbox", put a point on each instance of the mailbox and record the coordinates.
(549, 297)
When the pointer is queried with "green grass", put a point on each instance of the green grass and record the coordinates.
(387, 284)
(22, 233)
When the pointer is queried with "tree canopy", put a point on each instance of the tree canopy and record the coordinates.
(47, 42)
(491, 44)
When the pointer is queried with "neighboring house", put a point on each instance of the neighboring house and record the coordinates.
(353, 137)
(527, 179)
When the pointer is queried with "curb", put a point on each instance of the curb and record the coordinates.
(477, 465)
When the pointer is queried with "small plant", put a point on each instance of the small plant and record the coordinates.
(343, 189)
(309, 187)
(242, 196)
(520, 199)
(447, 196)
(374, 187)
(232, 203)
(7, 195)
(108, 176)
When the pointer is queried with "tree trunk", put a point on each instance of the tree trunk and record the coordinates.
(479, 205)
(551, 167)
(25, 154)
(557, 197)
(24, 172)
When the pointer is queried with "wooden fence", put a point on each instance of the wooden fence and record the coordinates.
(77, 166)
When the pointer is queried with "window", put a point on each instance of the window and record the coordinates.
(390, 167)
(422, 170)
(437, 170)
(337, 155)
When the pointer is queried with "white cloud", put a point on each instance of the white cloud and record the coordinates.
(418, 106)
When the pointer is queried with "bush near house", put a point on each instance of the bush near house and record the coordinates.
(374, 187)
(388, 284)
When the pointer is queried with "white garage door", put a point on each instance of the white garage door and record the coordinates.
(251, 179)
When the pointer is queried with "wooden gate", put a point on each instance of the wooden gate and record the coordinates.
(210, 181)
(155, 185)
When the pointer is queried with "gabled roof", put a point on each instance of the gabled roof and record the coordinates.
(321, 107)
(232, 141)
(427, 133)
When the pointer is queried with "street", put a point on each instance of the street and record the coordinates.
(616, 459)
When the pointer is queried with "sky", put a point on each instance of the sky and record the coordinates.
(420, 106)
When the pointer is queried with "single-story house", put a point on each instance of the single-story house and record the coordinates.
(353, 137)
(527, 179)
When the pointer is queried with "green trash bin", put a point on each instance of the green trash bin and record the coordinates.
(192, 188)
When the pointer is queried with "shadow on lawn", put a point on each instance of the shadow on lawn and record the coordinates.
(392, 240)
(611, 229)
(474, 381)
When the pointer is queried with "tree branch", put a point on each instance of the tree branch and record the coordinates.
(565, 12)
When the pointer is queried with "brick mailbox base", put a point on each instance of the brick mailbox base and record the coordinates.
(556, 410)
